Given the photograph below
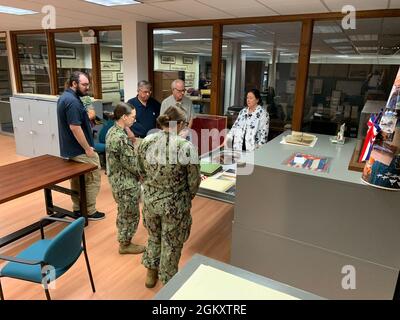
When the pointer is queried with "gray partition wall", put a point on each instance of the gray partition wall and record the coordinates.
(308, 229)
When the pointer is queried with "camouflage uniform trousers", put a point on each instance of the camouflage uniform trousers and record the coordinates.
(168, 230)
(92, 183)
(128, 214)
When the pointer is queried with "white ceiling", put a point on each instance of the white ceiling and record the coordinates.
(77, 13)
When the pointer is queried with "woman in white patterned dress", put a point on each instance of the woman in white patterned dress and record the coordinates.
(251, 127)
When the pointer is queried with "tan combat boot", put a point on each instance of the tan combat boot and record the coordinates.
(131, 248)
(151, 278)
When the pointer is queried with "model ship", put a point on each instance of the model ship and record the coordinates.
(300, 138)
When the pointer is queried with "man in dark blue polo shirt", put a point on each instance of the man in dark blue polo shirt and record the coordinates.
(147, 110)
(76, 140)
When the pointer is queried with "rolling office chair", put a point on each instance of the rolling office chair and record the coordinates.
(100, 146)
(56, 255)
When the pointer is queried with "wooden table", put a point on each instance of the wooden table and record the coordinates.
(43, 172)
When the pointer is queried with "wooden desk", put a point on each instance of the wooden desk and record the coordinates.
(44, 172)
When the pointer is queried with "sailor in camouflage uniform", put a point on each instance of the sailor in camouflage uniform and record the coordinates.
(123, 176)
(169, 165)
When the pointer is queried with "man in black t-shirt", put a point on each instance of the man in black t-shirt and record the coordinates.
(76, 140)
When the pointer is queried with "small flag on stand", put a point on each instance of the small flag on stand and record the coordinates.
(373, 130)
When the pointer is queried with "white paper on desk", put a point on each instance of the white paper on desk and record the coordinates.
(208, 283)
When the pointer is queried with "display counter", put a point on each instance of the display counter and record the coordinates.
(196, 281)
(309, 228)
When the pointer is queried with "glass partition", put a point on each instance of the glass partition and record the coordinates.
(184, 53)
(72, 55)
(5, 88)
(348, 70)
(112, 74)
(261, 56)
(33, 63)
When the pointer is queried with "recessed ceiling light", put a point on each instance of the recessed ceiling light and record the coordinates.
(111, 3)
(16, 11)
(343, 48)
(165, 31)
(367, 48)
(364, 37)
(237, 35)
(327, 29)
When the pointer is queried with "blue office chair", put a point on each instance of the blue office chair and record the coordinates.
(100, 146)
(48, 259)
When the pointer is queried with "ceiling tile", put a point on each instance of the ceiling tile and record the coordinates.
(295, 7)
(337, 5)
(193, 9)
(246, 8)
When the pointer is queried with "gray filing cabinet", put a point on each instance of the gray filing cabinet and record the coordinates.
(35, 124)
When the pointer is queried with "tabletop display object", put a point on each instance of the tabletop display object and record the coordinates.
(382, 155)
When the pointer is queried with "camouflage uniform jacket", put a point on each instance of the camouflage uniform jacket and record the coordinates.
(169, 166)
(121, 160)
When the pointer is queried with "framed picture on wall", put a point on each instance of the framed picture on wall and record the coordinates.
(107, 76)
(189, 83)
(110, 86)
(179, 68)
(28, 90)
(116, 55)
(187, 60)
(61, 52)
(110, 66)
(189, 76)
(120, 76)
(168, 59)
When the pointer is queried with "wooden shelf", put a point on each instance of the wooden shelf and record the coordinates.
(354, 165)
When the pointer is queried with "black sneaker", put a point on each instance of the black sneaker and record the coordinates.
(96, 216)
(75, 214)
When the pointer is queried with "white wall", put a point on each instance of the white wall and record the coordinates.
(135, 64)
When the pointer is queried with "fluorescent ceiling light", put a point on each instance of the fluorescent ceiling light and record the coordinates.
(174, 51)
(252, 49)
(16, 11)
(245, 46)
(327, 29)
(364, 37)
(193, 39)
(367, 48)
(237, 35)
(268, 53)
(165, 31)
(343, 48)
(111, 3)
(336, 40)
